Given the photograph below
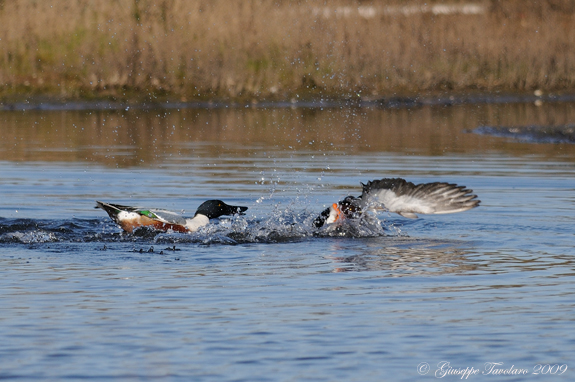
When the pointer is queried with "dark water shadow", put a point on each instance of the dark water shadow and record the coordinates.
(531, 133)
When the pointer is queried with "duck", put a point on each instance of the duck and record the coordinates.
(131, 218)
(397, 195)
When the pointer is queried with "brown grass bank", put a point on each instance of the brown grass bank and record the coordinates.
(281, 49)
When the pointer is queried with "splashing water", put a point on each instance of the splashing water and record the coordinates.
(284, 224)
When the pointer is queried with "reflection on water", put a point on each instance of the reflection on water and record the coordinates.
(147, 138)
(409, 257)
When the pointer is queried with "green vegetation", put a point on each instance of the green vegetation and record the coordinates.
(264, 49)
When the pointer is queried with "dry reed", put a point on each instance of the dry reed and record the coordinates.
(282, 49)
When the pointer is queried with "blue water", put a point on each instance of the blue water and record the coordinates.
(262, 297)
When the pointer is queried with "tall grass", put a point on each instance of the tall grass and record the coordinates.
(281, 49)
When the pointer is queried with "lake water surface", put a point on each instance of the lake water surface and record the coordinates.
(263, 297)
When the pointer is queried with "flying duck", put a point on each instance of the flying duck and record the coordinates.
(130, 218)
(402, 197)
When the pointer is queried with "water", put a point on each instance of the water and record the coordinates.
(264, 297)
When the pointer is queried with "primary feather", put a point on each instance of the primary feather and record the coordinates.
(408, 199)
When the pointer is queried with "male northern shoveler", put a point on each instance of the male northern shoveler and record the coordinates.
(402, 197)
(130, 218)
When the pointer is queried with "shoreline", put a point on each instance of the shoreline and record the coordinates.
(384, 102)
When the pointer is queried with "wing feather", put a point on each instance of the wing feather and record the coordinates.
(168, 216)
(408, 199)
(164, 216)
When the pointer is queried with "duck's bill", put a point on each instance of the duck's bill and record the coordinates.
(236, 210)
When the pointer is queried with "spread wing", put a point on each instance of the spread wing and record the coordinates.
(408, 199)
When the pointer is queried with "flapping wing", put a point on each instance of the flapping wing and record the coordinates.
(408, 199)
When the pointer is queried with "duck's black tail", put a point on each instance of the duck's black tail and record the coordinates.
(111, 209)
